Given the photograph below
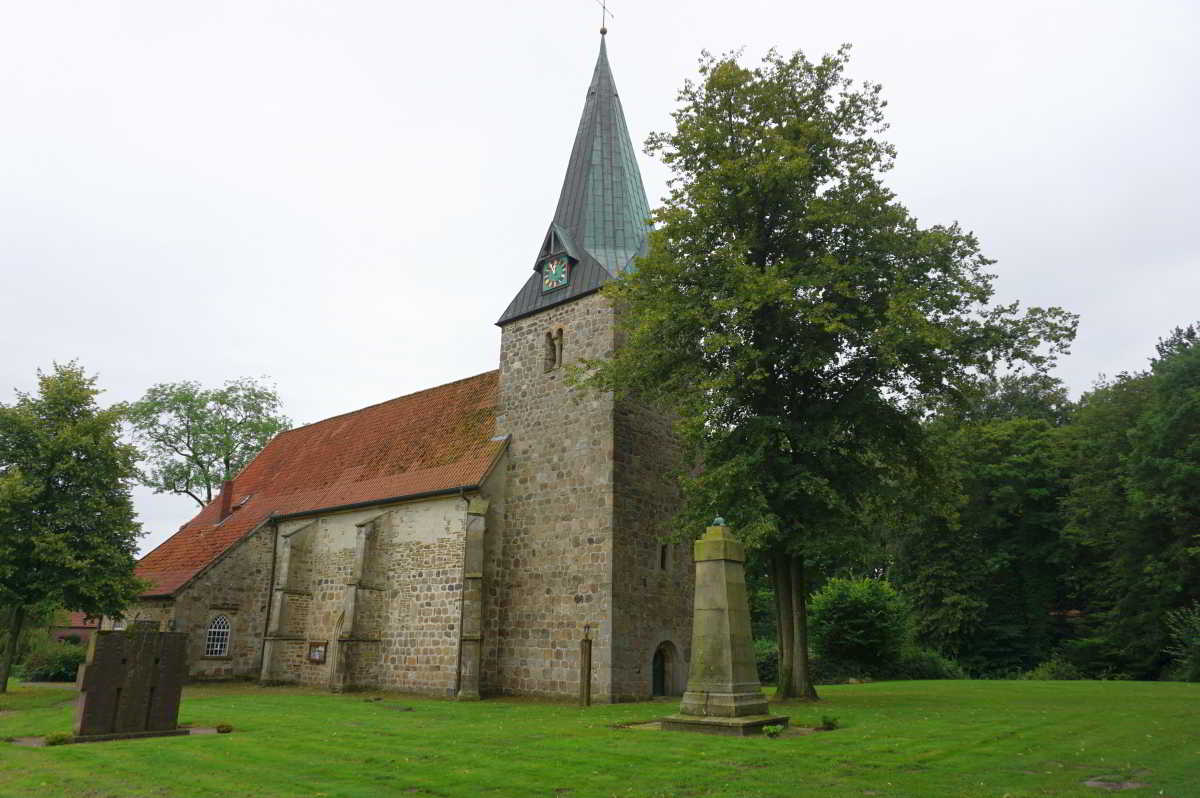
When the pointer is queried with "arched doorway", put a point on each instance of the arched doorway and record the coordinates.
(662, 670)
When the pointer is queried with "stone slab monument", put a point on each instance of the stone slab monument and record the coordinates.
(130, 685)
(723, 693)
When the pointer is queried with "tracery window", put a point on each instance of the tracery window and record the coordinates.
(216, 643)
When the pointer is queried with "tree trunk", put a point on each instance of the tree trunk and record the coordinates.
(802, 685)
(784, 625)
(15, 622)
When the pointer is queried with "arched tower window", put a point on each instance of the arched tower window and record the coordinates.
(216, 643)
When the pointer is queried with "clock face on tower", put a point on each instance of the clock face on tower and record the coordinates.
(556, 272)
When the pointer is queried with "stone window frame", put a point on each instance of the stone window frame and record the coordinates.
(554, 349)
(217, 637)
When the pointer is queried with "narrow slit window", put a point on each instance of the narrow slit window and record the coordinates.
(662, 557)
(554, 348)
(216, 643)
(551, 352)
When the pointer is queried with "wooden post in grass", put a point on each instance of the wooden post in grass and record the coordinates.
(585, 669)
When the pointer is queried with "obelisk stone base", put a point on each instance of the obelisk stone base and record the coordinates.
(731, 727)
(725, 704)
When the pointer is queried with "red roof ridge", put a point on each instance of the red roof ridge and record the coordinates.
(386, 401)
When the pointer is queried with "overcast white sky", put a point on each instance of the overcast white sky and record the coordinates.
(345, 196)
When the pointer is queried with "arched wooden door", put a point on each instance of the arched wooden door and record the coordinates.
(663, 677)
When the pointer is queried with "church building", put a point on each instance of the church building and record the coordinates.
(463, 540)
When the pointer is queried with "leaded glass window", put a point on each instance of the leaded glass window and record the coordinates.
(216, 644)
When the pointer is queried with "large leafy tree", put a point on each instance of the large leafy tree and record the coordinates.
(67, 529)
(194, 438)
(794, 317)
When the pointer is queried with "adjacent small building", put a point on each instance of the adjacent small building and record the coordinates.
(77, 627)
(462, 540)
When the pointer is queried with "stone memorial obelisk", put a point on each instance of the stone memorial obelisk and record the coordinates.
(723, 693)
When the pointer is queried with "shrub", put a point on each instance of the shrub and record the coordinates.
(34, 633)
(1183, 628)
(925, 663)
(52, 661)
(859, 625)
(823, 670)
(1055, 669)
(61, 738)
(766, 657)
(224, 728)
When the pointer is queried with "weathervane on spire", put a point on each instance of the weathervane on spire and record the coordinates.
(604, 15)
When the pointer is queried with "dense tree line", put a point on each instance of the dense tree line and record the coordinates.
(1073, 527)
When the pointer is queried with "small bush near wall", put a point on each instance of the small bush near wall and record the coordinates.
(914, 663)
(861, 626)
(52, 661)
(1183, 628)
(1055, 669)
(924, 663)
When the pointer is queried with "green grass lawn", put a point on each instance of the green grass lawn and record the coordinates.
(955, 738)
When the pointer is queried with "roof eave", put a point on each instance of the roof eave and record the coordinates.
(205, 568)
(566, 298)
(407, 497)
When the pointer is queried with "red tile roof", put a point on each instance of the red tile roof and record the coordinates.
(78, 620)
(437, 439)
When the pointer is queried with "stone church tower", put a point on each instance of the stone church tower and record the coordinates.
(587, 486)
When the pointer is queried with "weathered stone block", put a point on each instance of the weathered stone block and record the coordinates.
(131, 682)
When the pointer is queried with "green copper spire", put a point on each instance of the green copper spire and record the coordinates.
(603, 205)
(602, 217)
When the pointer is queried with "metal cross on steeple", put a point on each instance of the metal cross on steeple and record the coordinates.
(604, 15)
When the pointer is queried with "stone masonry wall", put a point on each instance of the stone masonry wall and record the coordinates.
(652, 580)
(160, 612)
(423, 557)
(236, 587)
(556, 555)
(399, 630)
